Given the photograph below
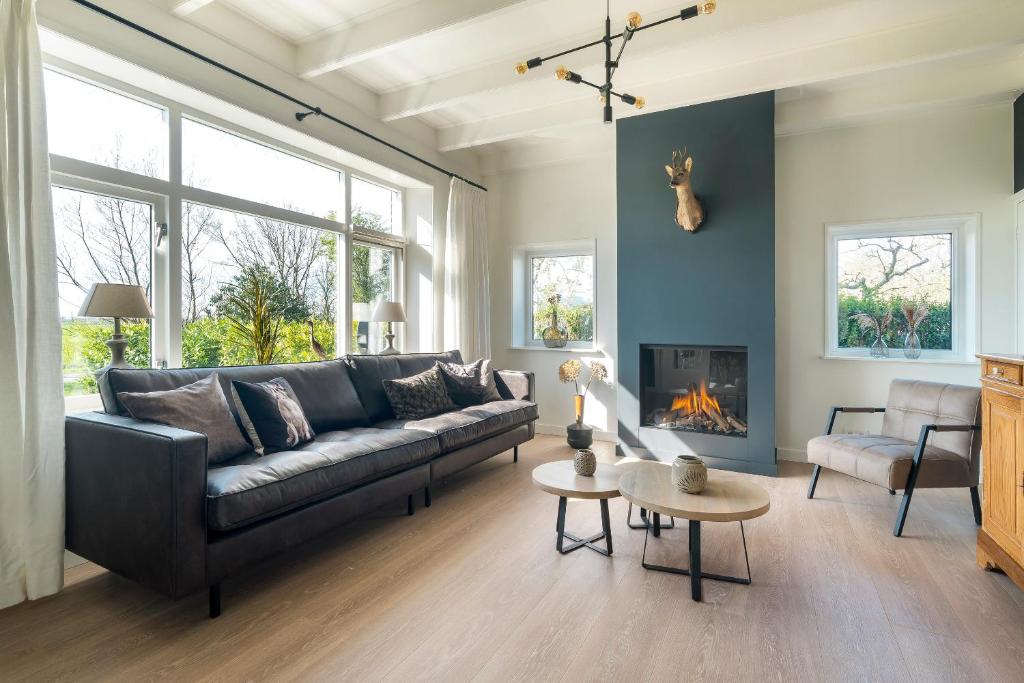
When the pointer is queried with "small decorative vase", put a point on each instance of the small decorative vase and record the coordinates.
(585, 462)
(689, 473)
(579, 400)
(879, 349)
(912, 345)
(579, 436)
(554, 337)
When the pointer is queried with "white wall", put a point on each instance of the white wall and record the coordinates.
(949, 162)
(566, 201)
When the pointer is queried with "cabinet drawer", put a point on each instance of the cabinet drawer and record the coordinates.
(1003, 372)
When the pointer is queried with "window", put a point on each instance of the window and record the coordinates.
(100, 238)
(255, 290)
(894, 281)
(222, 162)
(244, 249)
(375, 207)
(373, 281)
(123, 132)
(554, 295)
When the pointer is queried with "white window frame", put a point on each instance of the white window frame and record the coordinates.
(966, 233)
(522, 291)
(169, 195)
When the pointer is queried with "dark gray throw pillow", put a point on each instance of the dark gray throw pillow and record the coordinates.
(198, 407)
(271, 414)
(472, 384)
(418, 396)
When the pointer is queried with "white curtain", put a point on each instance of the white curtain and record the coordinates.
(467, 305)
(31, 402)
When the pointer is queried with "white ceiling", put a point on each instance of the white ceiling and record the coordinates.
(449, 63)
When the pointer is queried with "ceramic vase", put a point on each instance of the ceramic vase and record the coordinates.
(689, 473)
(579, 400)
(585, 462)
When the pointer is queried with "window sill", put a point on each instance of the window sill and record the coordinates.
(562, 350)
(906, 361)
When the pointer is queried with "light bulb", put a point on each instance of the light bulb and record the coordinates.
(706, 7)
(561, 73)
(640, 103)
(521, 68)
(633, 20)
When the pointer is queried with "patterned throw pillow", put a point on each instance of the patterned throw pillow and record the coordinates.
(271, 414)
(470, 385)
(198, 407)
(418, 396)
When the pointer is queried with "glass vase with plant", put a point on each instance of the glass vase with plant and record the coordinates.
(915, 315)
(878, 325)
(570, 371)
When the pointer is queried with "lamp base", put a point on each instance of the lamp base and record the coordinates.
(390, 349)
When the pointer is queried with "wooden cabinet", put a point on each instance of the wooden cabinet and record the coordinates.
(1001, 538)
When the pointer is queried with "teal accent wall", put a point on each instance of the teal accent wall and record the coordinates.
(715, 287)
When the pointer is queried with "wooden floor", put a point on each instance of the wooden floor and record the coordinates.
(472, 588)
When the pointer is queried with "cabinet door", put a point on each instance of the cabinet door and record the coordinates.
(1002, 432)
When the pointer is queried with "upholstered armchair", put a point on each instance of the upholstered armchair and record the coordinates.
(930, 439)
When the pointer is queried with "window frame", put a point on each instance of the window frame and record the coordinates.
(169, 195)
(522, 291)
(965, 232)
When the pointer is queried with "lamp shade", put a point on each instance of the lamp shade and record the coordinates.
(107, 300)
(388, 312)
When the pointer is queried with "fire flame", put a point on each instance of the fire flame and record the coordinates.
(696, 402)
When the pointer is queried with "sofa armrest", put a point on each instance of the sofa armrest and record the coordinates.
(136, 500)
(515, 384)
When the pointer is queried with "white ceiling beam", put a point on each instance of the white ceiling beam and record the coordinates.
(392, 30)
(185, 7)
(952, 34)
(730, 34)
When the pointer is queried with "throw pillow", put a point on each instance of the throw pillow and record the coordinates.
(418, 396)
(198, 407)
(472, 384)
(271, 414)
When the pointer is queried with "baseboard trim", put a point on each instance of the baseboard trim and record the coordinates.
(791, 454)
(559, 430)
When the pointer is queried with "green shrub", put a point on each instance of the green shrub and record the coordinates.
(936, 332)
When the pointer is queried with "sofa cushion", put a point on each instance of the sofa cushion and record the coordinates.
(470, 384)
(886, 461)
(323, 388)
(198, 407)
(369, 372)
(468, 425)
(419, 396)
(250, 488)
(271, 415)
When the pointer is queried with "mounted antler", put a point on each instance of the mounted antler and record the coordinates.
(689, 210)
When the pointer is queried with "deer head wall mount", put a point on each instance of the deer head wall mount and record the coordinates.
(689, 209)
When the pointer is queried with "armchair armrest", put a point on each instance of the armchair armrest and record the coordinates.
(136, 500)
(516, 384)
(835, 410)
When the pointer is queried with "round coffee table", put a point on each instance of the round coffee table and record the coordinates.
(727, 498)
(560, 478)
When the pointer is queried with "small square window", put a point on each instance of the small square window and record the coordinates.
(554, 292)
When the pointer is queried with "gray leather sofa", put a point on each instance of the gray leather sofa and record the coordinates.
(142, 502)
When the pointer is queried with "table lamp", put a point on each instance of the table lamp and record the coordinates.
(388, 312)
(108, 300)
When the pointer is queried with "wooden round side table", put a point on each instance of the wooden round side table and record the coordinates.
(560, 478)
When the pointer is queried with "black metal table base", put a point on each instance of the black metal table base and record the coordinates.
(645, 522)
(694, 571)
(580, 542)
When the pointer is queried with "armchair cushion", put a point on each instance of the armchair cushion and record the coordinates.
(886, 461)
(913, 404)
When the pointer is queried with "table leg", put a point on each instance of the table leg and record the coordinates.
(656, 525)
(606, 525)
(578, 541)
(560, 524)
(696, 585)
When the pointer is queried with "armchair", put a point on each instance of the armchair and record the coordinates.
(928, 439)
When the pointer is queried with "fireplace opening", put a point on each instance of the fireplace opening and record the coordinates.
(701, 389)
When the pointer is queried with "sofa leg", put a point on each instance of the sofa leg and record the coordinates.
(215, 601)
(976, 504)
(814, 481)
(892, 492)
(515, 454)
(412, 508)
(426, 497)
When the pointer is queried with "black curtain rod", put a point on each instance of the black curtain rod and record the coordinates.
(260, 84)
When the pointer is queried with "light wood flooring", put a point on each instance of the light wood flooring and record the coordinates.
(472, 588)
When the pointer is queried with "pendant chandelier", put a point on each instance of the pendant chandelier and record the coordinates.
(634, 24)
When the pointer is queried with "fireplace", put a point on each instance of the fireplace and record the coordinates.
(694, 389)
